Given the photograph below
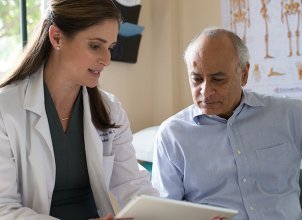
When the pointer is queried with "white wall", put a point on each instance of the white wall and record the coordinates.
(156, 86)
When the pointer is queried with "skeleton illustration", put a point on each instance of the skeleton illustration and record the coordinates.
(299, 70)
(274, 73)
(256, 73)
(291, 8)
(240, 13)
(265, 16)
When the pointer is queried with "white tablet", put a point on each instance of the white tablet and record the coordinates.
(154, 208)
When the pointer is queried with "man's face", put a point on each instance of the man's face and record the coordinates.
(214, 76)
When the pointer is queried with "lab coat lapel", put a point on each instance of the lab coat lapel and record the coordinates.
(34, 102)
(41, 157)
(94, 157)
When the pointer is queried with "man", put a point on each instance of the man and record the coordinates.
(232, 148)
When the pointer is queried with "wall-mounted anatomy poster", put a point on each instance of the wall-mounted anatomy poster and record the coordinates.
(272, 31)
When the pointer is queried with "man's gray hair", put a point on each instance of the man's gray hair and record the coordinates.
(240, 47)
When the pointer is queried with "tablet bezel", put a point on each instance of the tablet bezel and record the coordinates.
(146, 207)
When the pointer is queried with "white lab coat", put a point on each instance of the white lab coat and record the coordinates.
(27, 163)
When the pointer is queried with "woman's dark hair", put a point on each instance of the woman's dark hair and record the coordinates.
(71, 16)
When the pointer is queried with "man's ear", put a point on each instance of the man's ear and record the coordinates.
(245, 74)
(55, 36)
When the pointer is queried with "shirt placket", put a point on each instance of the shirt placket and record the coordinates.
(245, 181)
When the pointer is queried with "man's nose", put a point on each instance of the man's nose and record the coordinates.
(206, 89)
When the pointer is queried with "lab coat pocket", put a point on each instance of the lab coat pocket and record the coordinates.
(108, 162)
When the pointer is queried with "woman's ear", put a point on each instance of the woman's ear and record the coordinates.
(55, 36)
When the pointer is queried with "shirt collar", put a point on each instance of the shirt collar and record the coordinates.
(248, 98)
(251, 99)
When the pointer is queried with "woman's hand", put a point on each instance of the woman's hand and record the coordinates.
(107, 217)
(110, 217)
(219, 218)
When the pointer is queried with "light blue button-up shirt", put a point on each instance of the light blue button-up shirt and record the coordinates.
(249, 162)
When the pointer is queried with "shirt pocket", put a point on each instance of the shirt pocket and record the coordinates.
(277, 166)
(108, 162)
(276, 153)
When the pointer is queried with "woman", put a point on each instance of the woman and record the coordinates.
(63, 142)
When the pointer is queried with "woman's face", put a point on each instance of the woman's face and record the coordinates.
(83, 57)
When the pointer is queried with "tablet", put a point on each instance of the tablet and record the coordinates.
(154, 208)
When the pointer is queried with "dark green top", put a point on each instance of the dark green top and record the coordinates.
(72, 197)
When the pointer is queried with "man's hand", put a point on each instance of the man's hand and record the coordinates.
(219, 218)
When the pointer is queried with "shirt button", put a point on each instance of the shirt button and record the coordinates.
(251, 208)
(230, 124)
(244, 180)
(238, 152)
